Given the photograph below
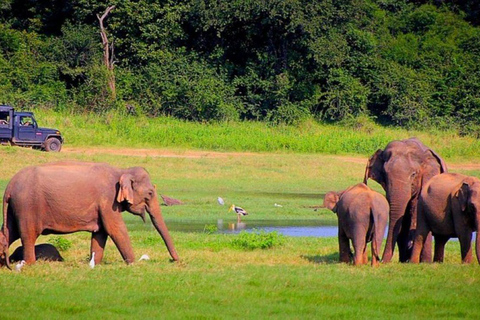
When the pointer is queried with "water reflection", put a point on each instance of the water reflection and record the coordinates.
(293, 228)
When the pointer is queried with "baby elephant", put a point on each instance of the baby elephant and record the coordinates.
(362, 217)
(448, 206)
(44, 251)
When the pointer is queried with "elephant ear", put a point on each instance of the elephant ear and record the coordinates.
(125, 191)
(374, 169)
(330, 200)
(463, 195)
(443, 165)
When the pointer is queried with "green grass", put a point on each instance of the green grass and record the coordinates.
(362, 138)
(216, 279)
(299, 279)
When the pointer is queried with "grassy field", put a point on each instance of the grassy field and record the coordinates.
(216, 279)
(361, 137)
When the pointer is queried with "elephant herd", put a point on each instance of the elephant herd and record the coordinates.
(422, 199)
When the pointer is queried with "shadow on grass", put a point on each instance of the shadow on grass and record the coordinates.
(329, 258)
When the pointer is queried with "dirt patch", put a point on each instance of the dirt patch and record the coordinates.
(156, 153)
(161, 153)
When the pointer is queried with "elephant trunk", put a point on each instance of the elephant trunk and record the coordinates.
(398, 206)
(157, 220)
(477, 240)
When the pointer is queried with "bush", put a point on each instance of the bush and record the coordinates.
(257, 240)
(210, 229)
(60, 243)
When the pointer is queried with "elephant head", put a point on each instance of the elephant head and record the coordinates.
(401, 169)
(138, 195)
(330, 201)
(4, 251)
(468, 199)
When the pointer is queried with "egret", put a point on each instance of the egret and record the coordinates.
(92, 261)
(220, 201)
(239, 211)
(144, 257)
(278, 205)
(20, 265)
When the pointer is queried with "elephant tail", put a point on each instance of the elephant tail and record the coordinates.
(375, 244)
(6, 200)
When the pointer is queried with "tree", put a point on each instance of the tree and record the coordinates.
(108, 53)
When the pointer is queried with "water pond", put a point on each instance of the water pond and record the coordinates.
(294, 228)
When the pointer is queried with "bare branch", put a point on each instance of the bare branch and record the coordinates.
(108, 56)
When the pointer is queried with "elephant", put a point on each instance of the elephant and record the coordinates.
(448, 207)
(43, 251)
(402, 168)
(362, 217)
(68, 196)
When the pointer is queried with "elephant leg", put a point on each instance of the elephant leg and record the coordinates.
(440, 242)
(28, 243)
(373, 247)
(117, 230)
(465, 239)
(344, 246)
(360, 248)
(421, 235)
(99, 239)
(426, 255)
(392, 234)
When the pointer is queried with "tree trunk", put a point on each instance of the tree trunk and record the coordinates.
(108, 54)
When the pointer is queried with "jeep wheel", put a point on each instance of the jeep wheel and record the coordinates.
(53, 145)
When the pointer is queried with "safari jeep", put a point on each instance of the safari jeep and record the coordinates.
(21, 129)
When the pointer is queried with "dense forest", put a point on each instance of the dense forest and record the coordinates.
(407, 63)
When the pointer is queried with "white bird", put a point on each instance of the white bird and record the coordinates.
(239, 211)
(144, 257)
(20, 265)
(278, 205)
(220, 201)
(92, 261)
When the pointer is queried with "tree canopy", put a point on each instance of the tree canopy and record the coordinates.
(407, 63)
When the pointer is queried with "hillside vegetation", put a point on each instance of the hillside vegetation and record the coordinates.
(407, 63)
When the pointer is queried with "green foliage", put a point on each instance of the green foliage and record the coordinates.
(406, 63)
(258, 240)
(179, 85)
(210, 229)
(61, 243)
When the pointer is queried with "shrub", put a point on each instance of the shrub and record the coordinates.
(210, 229)
(257, 240)
(60, 243)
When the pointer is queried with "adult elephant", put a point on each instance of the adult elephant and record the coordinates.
(66, 197)
(402, 168)
(449, 207)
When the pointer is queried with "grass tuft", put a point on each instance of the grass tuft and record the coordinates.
(258, 239)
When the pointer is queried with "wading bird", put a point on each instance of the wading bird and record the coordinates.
(19, 266)
(144, 257)
(239, 211)
(220, 201)
(92, 261)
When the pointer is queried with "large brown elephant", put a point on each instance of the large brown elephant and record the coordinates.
(66, 197)
(402, 168)
(362, 217)
(448, 207)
